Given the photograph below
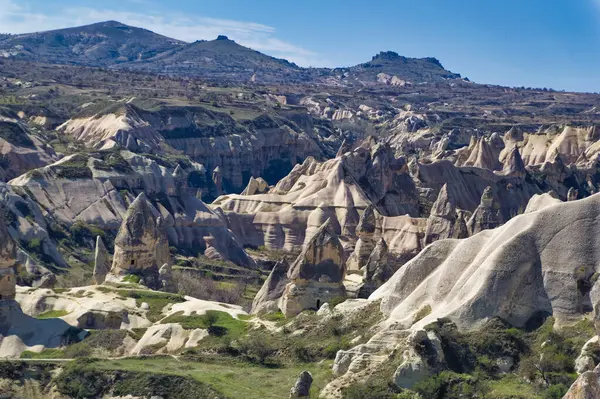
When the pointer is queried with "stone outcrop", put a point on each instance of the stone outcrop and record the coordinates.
(572, 194)
(486, 215)
(217, 179)
(422, 356)
(101, 262)
(443, 221)
(301, 388)
(548, 256)
(466, 184)
(482, 155)
(317, 275)
(341, 190)
(589, 356)
(165, 275)
(587, 386)
(259, 147)
(103, 196)
(256, 186)
(514, 165)
(141, 244)
(377, 270)
(272, 289)
(365, 230)
(8, 262)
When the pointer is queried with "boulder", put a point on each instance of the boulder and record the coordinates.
(589, 356)
(301, 388)
(587, 386)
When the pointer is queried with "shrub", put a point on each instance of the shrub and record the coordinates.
(10, 217)
(555, 391)
(258, 347)
(373, 389)
(78, 383)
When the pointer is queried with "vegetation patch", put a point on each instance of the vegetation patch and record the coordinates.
(52, 314)
(46, 353)
(74, 168)
(155, 300)
(15, 134)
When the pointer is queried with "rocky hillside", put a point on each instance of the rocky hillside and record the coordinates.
(222, 59)
(101, 44)
(118, 45)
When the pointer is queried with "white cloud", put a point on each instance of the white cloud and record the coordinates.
(21, 18)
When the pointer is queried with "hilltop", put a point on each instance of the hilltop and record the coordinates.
(117, 45)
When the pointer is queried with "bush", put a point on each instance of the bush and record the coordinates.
(83, 232)
(376, 389)
(167, 386)
(78, 383)
(555, 391)
(206, 288)
(258, 347)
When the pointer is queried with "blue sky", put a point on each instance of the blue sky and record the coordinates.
(538, 43)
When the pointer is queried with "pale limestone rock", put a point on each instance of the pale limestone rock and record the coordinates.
(165, 274)
(469, 281)
(344, 148)
(365, 231)
(538, 201)
(587, 386)
(256, 186)
(482, 155)
(301, 388)
(589, 356)
(514, 165)
(443, 221)
(317, 274)
(217, 178)
(419, 363)
(572, 194)
(486, 215)
(141, 244)
(265, 300)
(101, 262)
(377, 270)
(8, 261)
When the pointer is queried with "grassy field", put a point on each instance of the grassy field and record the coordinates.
(233, 379)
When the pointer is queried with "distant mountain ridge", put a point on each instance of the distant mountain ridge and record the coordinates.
(116, 45)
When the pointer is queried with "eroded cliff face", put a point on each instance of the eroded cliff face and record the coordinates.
(267, 145)
(340, 190)
(105, 184)
(539, 263)
(20, 150)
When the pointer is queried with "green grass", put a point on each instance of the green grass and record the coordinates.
(275, 316)
(132, 278)
(47, 353)
(511, 386)
(233, 379)
(52, 314)
(155, 300)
